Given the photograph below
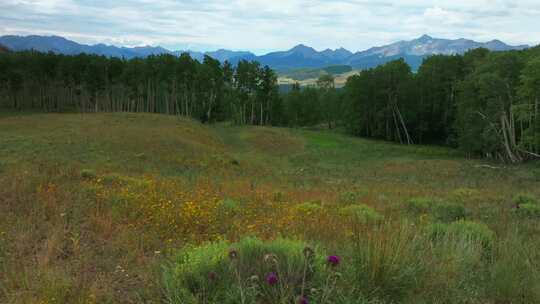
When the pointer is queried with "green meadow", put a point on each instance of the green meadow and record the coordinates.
(141, 208)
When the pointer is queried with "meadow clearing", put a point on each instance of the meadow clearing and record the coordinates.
(140, 208)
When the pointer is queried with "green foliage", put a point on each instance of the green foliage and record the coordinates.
(208, 90)
(237, 273)
(378, 102)
(514, 257)
(351, 197)
(88, 174)
(440, 210)
(527, 205)
(313, 73)
(420, 204)
(309, 208)
(337, 69)
(388, 265)
(448, 212)
(525, 198)
(529, 210)
(464, 230)
(361, 213)
(229, 207)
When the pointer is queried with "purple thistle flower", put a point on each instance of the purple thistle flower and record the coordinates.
(272, 278)
(303, 300)
(333, 260)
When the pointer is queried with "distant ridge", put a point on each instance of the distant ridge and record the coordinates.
(62, 45)
(300, 56)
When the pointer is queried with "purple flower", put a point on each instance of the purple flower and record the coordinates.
(303, 300)
(272, 278)
(333, 260)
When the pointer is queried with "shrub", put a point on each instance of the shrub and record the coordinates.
(461, 253)
(229, 207)
(250, 271)
(465, 193)
(527, 205)
(308, 208)
(448, 212)
(464, 230)
(351, 197)
(528, 210)
(361, 213)
(420, 204)
(511, 275)
(88, 174)
(525, 199)
(389, 263)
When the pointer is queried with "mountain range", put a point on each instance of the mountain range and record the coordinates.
(301, 56)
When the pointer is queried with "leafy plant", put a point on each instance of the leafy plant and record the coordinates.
(361, 213)
(250, 271)
(88, 174)
(420, 204)
(448, 212)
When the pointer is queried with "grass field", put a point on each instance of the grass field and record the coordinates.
(95, 208)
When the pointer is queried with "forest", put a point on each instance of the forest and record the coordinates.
(484, 103)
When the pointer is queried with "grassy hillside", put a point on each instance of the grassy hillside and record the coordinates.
(100, 208)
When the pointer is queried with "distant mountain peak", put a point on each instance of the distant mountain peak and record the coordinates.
(302, 47)
(423, 39)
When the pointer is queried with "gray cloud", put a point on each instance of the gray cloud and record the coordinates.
(264, 25)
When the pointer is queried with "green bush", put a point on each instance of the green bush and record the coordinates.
(528, 210)
(389, 264)
(525, 199)
(527, 205)
(351, 197)
(88, 174)
(464, 230)
(308, 208)
(238, 273)
(448, 212)
(511, 275)
(229, 207)
(361, 213)
(460, 255)
(420, 204)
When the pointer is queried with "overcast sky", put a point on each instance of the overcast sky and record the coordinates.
(267, 25)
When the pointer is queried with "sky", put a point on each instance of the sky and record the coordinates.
(261, 26)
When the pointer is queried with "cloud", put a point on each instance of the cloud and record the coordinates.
(262, 25)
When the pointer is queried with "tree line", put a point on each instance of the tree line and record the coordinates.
(208, 90)
(485, 103)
